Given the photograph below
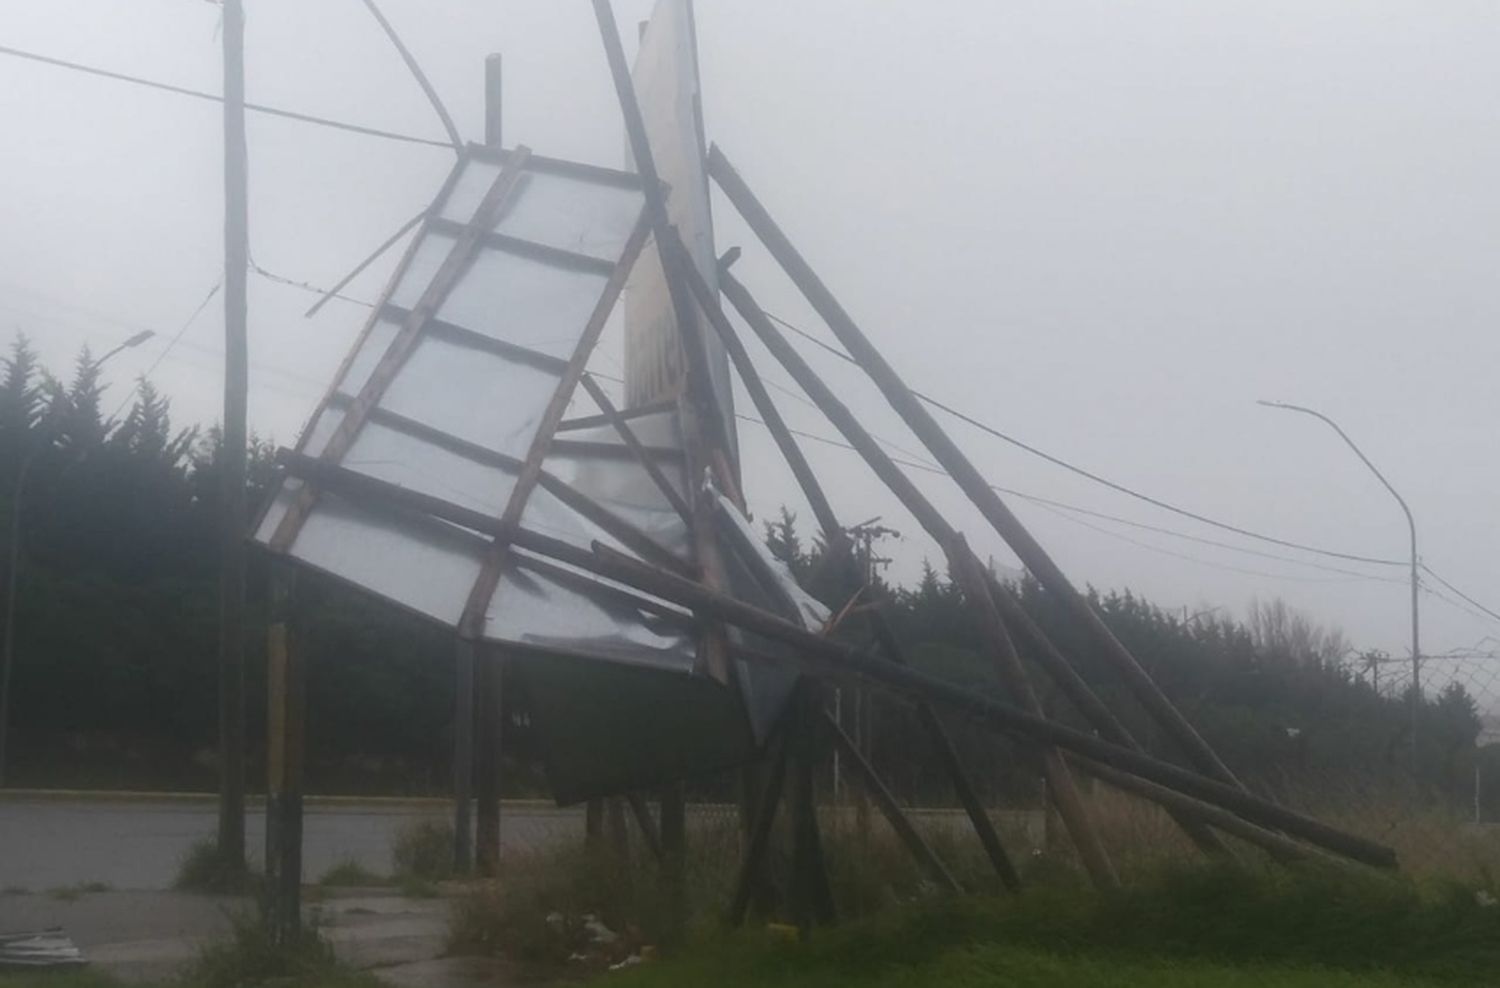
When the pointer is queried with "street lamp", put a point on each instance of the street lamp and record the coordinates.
(13, 559)
(1416, 648)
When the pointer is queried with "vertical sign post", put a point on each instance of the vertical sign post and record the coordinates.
(233, 508)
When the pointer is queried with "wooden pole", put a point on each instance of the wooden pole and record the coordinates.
(968, 477)
(593, 825)
(828, 657)
(463, 756)
(650, 834)
(233, 503)
(1060, 786)
(619, 827)
(488, 670)
(824, 657)
(811, 897)
(493, 104)
(286, 716)
(892, 810)
(947, 754)
(705, 431)
(841, 547)
(1185, 807)
(1093, 709)
(751, 867)
(960, 562)
(489, 739)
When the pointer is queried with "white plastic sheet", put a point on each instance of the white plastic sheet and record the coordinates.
(454, 414)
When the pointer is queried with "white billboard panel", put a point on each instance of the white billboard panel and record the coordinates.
(667, 87)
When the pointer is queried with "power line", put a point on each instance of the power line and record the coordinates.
(282, 279)
(1471, 600)
(1096, 478)
(1351, 577)
(1050, 504)
(273, 111)
(176, 337)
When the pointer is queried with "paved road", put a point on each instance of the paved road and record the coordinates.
(49, 843)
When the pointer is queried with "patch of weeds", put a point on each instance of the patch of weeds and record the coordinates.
(69, 893)
(575, 907)
(250, 957)
(423, 849)
(204, 869)
(417, 888)
(351, 874)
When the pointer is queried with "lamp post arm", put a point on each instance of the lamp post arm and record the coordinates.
(1410, 520)
(1411, 524)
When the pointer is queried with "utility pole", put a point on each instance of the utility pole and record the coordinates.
(489, 712)
(232, 494)
(1411, 524)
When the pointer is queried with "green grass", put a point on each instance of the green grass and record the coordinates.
(423, 849)
(68, 893)
(1215, 927)
(991, 966)
(203, 869)
(351, 874)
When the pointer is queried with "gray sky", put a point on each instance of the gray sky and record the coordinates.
(1105, 228)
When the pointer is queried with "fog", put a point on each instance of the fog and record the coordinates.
(1104, 229)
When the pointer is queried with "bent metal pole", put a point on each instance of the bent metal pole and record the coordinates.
(964, 473)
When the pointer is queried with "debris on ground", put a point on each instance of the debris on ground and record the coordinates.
(44, 948)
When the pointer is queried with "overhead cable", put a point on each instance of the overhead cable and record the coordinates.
(1096, 478)
(215, 98)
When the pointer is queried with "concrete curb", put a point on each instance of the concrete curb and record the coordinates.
(434, 803)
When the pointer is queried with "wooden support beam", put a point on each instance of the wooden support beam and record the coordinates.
(489, 740)
(1086, 702)
(673, 803)
(752, 866)
(629, 415)
(500, 193)
(892, 810)
(473, 339)
(628, 436)
(840, 547)
(704, 427)
(593, 825)
(947, 754)
(630, 535)
(1060, 786)
(698, 387)
(618, 827)
(821, 656)
(494, 91)
(556, 257)
(810, 894)
(1281, 848)
(471, 623)
(233, 509)
(643, 819)
(286, 717)
(463, 756)
(960, 562)
(963, 471)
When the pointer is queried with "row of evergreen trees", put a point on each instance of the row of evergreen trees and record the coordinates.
(115, 678)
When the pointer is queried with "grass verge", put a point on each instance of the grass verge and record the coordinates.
(1205, 926)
